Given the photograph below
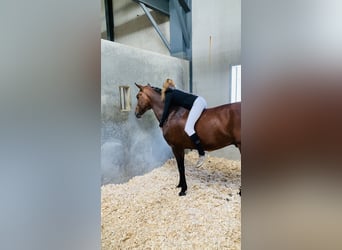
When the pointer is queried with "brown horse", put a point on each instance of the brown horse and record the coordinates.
(217, 127)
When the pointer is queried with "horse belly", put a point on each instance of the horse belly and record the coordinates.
(215, 133)
(216, 141)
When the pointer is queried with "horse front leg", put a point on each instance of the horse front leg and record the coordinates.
(179, 154)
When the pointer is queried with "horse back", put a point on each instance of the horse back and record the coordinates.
(220, 126)
(217, 127)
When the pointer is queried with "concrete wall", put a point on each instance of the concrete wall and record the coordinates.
(216, 35)
(131, 146)
(216, 46)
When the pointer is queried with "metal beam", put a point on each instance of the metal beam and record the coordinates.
(155, 25)
(184, 5)
(182, 22)
(109, 19)
(159, 5)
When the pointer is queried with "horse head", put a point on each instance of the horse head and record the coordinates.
(143, 101)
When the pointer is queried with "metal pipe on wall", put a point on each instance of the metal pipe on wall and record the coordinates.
(109, 19)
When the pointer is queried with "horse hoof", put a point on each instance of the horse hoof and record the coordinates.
(181, 193)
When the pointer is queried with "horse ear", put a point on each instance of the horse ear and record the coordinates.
(139, 86)
(149, 84)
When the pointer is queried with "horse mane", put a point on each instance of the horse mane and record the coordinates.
(158, 90)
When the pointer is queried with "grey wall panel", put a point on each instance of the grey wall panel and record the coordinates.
(131, 146)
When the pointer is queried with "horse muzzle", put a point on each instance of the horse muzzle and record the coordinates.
(137, 115)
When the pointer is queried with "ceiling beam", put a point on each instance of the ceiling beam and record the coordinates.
(155, 25)
(159, 5)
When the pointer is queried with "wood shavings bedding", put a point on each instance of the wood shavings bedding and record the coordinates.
(147, 213)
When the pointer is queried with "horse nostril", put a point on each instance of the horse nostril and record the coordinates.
(137, 115)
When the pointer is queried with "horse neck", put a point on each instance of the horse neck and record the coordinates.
(157, 105)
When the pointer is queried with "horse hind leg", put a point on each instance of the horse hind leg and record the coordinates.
(179, 154)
